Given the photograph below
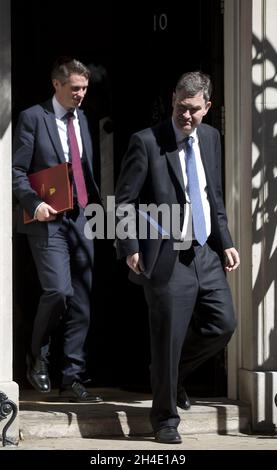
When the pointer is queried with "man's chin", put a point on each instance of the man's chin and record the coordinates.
(187, 129)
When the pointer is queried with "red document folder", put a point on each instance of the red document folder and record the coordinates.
(54, 186)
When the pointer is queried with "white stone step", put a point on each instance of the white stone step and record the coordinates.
(122, 413)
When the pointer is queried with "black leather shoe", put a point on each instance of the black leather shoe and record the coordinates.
(183, 400)
(168, 435)
(77, 393)
(37, 374)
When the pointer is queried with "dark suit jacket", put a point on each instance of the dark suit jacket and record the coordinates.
(151, 173)
(37, 146)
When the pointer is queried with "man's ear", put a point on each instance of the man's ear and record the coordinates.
(207, 107)
(55, 83)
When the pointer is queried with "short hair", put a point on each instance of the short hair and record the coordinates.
(194, 82)
(66, 66)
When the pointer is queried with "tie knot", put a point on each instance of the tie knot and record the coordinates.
(189, 140)
(69, 115)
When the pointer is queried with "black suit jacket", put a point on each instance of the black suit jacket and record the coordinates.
(36, 146)
(151, 173)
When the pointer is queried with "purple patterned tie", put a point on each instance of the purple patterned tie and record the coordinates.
(77, 169)
(198, 216)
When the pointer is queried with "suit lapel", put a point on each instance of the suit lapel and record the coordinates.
(172, 156)
(51, 126)
(205, 146)
(174, 162)
(85, 139)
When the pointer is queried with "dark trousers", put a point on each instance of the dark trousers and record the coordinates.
(198, 283)
(64, 265)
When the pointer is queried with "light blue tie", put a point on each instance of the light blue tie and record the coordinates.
(198, 218)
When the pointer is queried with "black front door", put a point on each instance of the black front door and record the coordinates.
(137, 51)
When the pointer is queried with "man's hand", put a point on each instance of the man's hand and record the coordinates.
(232, 259)
(135, 263)
(45, 213)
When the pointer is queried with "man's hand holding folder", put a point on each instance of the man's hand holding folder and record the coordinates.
(54, 187)
(150, 244)
(45, 213)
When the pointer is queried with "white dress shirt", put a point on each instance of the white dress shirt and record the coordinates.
(60, 112)
(187, 234)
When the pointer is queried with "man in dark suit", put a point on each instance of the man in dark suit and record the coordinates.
(62, 254)
(176, 165)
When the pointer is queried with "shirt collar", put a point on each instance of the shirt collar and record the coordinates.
(180, 136)
(59, 110)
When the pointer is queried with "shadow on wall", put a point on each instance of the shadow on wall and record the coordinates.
(264, 201)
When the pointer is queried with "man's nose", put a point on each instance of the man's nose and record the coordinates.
(186, 113)
(81, 93)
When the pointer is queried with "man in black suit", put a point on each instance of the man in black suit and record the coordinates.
(177, 164)
(62, 254)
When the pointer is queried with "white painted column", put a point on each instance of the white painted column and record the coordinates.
(7, 386)
(251, 171)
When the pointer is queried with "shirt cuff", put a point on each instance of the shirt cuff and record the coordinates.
(37, 208)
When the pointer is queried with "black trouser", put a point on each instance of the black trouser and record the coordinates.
(198, 281)
(64, 264)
